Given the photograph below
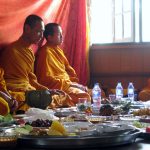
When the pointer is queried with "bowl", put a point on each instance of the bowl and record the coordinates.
(38, 98)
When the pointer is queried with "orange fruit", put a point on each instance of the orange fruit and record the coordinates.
(54, 132)
(56, 125)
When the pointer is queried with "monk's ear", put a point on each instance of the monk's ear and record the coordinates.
(27, 28)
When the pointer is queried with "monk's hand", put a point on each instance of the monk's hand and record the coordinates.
(58, 92)
(79, 86)
(14, 105)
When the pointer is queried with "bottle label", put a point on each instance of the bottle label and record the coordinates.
(96, 94)
(119, 92)
(130, 91)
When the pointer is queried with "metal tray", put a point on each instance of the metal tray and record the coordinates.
(55, 142)
(144, 135)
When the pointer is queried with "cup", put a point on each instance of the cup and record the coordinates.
(81, 105)
(82, 100)
(112, 97)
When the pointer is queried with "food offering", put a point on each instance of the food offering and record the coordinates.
(57, 129)
(5, 119)
(142, 112)
(42, 127)
(7, 135)
(79, 135)
(107, 110)
(84, 107)
(39, 123)
(64, 112)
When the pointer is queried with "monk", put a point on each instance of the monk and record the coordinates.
(53, 69)
(7, 103)
(18, 61)
(144, 94)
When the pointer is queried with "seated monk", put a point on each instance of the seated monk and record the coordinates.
(144, 94)
(53, 69)
(4, 107)
(7, 103)
(19, 68)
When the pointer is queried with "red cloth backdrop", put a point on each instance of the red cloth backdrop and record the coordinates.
(70, 14)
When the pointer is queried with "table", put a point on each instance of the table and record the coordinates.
(140, 144)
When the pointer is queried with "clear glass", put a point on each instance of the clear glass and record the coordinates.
(81, 105)
(112, 97)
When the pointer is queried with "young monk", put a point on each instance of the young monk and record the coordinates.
(53, 69)
(19, 67)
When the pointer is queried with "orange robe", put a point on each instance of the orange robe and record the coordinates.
(2, 81)
(18, 63)
(4, 108)
(144, 94)
(19, 96)
(54, 71)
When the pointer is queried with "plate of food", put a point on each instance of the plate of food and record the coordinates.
(89, 137)
(8, 138)
(63, 112)
(67, 142)
(145, 134)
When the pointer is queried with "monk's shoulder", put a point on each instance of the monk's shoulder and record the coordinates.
(12, 47)
(44, 50)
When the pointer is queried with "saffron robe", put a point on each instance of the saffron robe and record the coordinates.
(19, 96)
(54, 71)
(18, 63)
(144, 94)
(4, 108)
(2, 81)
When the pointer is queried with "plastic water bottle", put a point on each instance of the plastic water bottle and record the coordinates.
(131, 91)
(119, 91)
(96, 96)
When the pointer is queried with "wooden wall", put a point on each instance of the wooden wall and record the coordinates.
(120, 62)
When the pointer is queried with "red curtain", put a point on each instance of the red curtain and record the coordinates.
(70, 14)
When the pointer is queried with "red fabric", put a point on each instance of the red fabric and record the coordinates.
(70, 14)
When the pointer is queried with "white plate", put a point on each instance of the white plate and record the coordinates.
(129, 118)
(19, 116)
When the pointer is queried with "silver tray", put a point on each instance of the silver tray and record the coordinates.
(55, 142)
(145, 135)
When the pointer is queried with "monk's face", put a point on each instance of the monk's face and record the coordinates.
(36, 32)
(56, 38)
